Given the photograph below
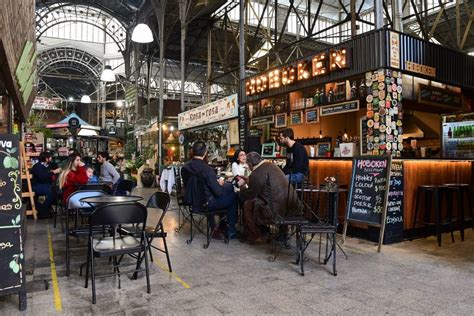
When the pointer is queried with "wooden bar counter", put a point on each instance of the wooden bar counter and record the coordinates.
(435, 171)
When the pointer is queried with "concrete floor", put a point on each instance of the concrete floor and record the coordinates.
(409, 278)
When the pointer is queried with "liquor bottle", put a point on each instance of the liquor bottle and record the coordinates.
(362, 89)
(322, 97)
(272, 107)
(455, 132)
(316, 99)
(330, 95)
(450, 133)
(353, 90)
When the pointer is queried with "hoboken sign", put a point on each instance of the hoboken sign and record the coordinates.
(219, 110)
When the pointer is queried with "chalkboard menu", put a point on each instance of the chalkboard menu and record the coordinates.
(242, 126)
(367, 201)
(436, 96)
(363, 135)
(11, 220)
(394, 222)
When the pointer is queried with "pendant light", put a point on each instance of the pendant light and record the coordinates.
(108, 74)
(142, 34)
(86, 99)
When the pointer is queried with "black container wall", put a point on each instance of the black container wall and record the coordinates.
(371, 51)
(452, 67)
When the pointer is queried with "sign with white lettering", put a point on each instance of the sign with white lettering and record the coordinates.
(219, 110)
(394, 222)
(339, 108)
(368, 194)
(43, 103)
(11, 216)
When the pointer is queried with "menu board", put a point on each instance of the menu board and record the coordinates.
(242, 126)
(363, 135)
(11, 219)
(367, 196)
(339, 108)
(394, 222)
(436, 96)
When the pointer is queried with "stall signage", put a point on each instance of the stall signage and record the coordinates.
(219, 110)
(339, 108)
(394, 50)
(25, 71)
(268, 119)
(394, 222)
(242, 126)
(43, 103)
(11, 215)
(435, 96)
(367, 201)
(420, 69)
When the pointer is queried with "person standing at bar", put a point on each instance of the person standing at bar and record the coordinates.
(297, 163)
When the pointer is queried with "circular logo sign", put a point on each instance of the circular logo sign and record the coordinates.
(74, 122)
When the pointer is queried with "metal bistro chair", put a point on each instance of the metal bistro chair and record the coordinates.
(117, 245)
(124, 186)
(323, 226)
(183, 207)
(160, 200)
(201, 209)
(76, 208)
(279, 221)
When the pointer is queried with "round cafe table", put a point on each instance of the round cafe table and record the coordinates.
(111, 199)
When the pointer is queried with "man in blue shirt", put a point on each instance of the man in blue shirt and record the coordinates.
(42, 181)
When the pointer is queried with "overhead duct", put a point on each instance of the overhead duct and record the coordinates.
(397, 15)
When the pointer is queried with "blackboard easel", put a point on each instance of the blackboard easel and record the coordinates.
(368, 193)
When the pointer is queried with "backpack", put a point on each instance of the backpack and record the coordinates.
(194, 192)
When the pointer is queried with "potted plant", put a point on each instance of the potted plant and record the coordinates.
(329, 153)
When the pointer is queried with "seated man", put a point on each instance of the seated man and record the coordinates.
(218, 194)
(257, 196)
(42, 180)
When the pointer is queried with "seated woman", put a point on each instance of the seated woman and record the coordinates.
(73, 175)
(239, 165)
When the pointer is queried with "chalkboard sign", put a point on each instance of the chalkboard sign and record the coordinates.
(242, 126)
(363, 135)
(394, 222)
(367, 201)
(436, 96)
(323, 148)
(11, 220)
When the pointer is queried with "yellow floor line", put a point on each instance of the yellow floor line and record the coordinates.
(177, 278)
(54, 277)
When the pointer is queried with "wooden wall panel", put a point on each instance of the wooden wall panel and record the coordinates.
(17, 25)
(416, 172)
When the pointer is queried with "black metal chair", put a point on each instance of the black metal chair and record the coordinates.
(183, 207)
(279, 221)
(98, 187)
(76, 209)
(124, 186)
(117, 245)
(160, 200)
(323, 225)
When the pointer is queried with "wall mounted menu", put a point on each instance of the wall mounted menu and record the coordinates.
(394, 222)
(367, 201)
(11, 219)
(242, 126)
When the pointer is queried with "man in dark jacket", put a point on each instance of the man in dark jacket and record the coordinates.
(219, 194)
(42, 181)
(297, 163)
(263, 195)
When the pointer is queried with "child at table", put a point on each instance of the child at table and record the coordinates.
(92, 177)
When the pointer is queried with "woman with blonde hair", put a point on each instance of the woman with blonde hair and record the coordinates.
(73, 174)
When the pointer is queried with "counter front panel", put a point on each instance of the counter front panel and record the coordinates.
(416, 172)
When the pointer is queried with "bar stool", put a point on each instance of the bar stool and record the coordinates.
(466, 191)
(434, 193)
